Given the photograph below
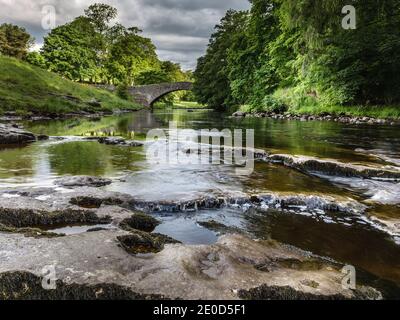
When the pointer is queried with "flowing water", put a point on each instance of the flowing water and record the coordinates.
(347, 238)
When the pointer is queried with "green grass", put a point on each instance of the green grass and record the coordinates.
(27, 89)
(181, 105)
(189, 105)
(299, 104)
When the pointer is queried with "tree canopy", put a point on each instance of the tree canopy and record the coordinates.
(93, 49)
(302, 47)
(14, 41)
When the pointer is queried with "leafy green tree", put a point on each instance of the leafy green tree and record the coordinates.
(36, 59)
(101, 15)
(302, 47)
(69, 50)
(15, 41)
(347, 66)
(251, 74)
(152, 77)
(91, 49)
(130, 55)
(212, 85)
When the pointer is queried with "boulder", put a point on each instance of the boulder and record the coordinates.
(12, 135)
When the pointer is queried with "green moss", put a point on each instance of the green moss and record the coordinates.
(29, 232)
(140, 221)
(27, 90)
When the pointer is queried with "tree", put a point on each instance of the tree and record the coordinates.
(15, 41)
(100, 15)
(358, 66)
(36, 59)
(90, 49)
(301, 46)
(251, 74)
(130, 55)
(212, 85)
(70, 51)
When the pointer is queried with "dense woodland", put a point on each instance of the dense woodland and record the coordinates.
(289, 54)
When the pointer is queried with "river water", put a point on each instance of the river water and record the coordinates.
(347, 238)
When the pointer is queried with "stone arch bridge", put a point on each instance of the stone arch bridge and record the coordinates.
(148, 94)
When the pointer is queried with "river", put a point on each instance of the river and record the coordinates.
(355, 239)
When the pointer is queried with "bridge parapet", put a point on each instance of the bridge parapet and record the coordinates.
(146, 95)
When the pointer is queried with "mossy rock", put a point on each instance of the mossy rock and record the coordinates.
(140, 221)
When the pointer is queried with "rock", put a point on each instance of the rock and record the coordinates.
(42, 137)
(82, 181)
(226, 270)
(265, 292)
(116, 141)
(12, 135)
(218, 227)
(141, 242)
(134, 143)
(94, 103)
(140, 221)
(239, 114)
(47, 207)
(29, 232)
(333, 167)
(112, 140)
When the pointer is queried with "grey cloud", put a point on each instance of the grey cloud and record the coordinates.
(179, 28)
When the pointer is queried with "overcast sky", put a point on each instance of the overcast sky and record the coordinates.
(179, 28)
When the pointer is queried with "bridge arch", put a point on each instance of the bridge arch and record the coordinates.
(147, 95)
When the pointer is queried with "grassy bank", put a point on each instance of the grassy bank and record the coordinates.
(295, 102)
(181, 105)
(27, 89)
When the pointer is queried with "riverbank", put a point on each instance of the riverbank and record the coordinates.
(182, 105)
(289, 104)
(324, 116)
(27, 91)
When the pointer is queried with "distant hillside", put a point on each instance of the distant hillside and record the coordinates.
(27, 90)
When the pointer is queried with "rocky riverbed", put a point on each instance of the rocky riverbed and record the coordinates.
(127, 260)
(118, 234)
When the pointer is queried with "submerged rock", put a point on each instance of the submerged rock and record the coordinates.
(116, 141)
(12, 135)
(82, 181)
(218, 227)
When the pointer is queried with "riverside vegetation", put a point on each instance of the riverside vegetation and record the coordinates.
(295, 56)
(89, 50)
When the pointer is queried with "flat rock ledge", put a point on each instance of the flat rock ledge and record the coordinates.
(127, 261)
(95, 266)
(10, 135)
(47, 207)
(334, 168)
